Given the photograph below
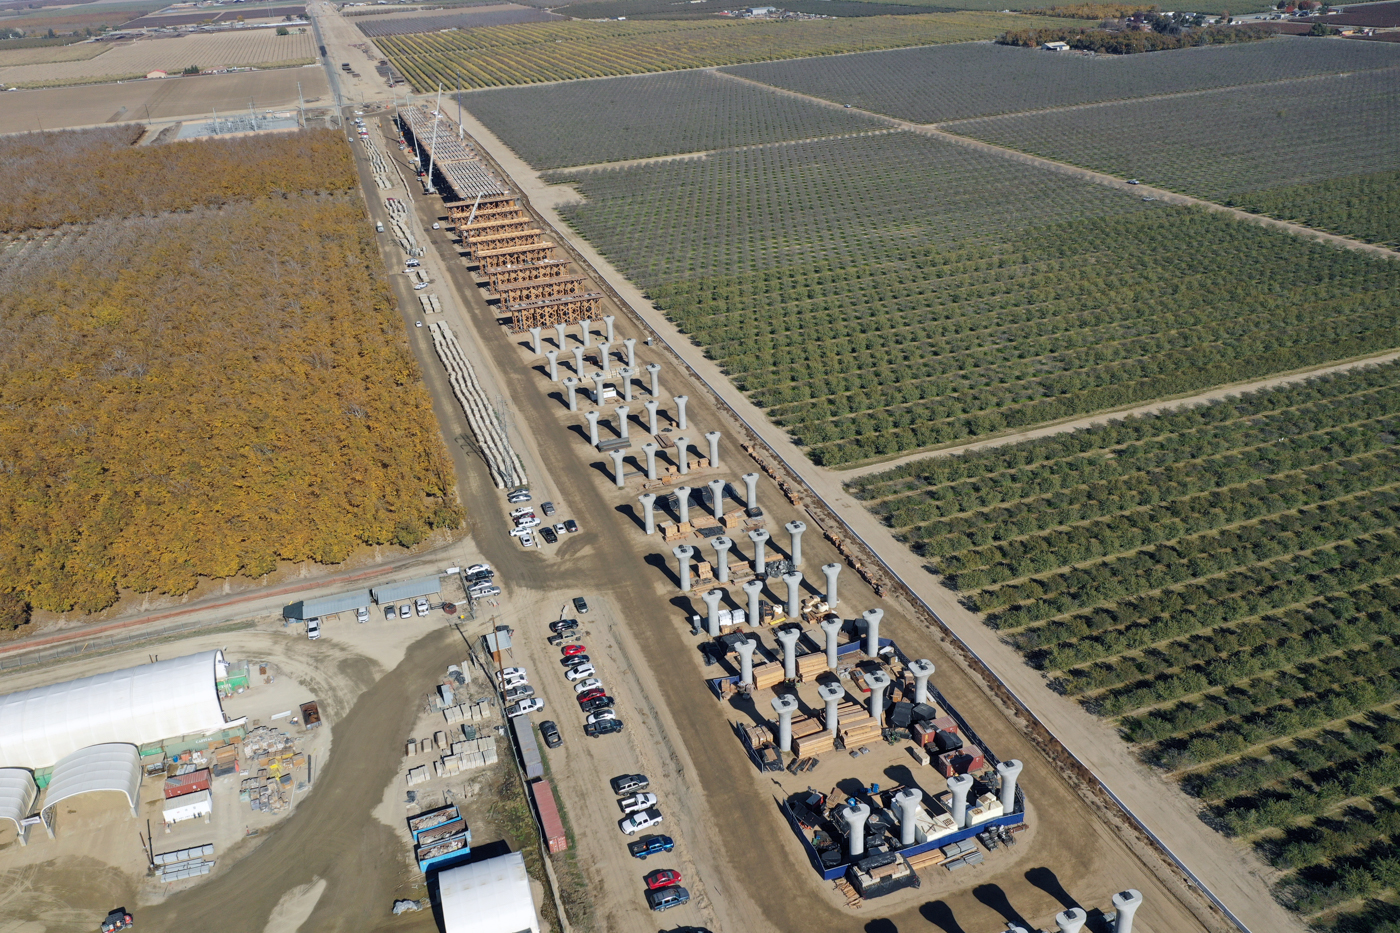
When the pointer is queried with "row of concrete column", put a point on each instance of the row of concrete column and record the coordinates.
(1125, 903)
(585, 333)
(908, 800)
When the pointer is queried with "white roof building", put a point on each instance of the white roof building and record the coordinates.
(138, 705)
(488, 897)
(111, 767)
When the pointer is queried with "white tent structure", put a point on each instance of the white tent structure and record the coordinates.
(137, 704)
(488, 897)
(17, 795)
(110, 767)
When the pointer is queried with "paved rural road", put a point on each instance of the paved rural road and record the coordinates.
(1232, 872)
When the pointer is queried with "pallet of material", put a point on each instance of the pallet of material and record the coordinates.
(930, 859)
(758, 735)
(767, 675)
(848, 712)
(814, 744)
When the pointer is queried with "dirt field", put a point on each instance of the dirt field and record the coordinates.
(81, 51)
(172, 54)
(55, 108)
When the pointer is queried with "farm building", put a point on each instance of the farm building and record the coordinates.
(488, 897)
(1056, 46)
(408, 589)
(43, 727)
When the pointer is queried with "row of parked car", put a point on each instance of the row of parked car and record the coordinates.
(519, 696)
(526, 521)
(480, 581)
(663, 886)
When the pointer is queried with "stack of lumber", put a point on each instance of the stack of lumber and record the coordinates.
(862, 730)
(930, 859)
(849, 712)
(767, 675)
(810, 665)
(805, 725)
(853, 898)
(814, 743)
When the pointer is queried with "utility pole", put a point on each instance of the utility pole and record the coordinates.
(461, 130)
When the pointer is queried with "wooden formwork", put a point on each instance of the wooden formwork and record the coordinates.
(495, 241)
(480, 229)
(556, 287)
(510, 255)
(458, 214)
(547, 312)
(767, 675)
(501, 276)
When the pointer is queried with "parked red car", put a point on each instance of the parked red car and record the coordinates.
(593, 694)
(662, 878)
(571, 650)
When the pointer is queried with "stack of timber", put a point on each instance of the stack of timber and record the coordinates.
(814, 743)
(862, 730)
(810, 665)
(767, 675)
(853, 898)
(930, 859)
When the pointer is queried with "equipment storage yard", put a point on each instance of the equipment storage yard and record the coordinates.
(739, 856)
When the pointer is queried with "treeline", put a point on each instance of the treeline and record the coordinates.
(1129, 42)
(77, 176)
(207, 393)
(1094, 10)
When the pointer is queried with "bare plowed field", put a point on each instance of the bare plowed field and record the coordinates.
(254, 47)
(54, 53)
(55, 108)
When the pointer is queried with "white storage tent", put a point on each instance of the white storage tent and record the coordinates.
(17, 795)
(137, 704)
(110, 767)
(488, 897)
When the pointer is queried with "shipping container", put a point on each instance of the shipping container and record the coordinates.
(548, 810)
(187, 783)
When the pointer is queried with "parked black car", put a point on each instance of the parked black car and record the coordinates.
(578, 660)
(549, 536)
(597, 703)
(603, 727)
(580, 605)
(563, 625)
(629, 783)
(551, 735)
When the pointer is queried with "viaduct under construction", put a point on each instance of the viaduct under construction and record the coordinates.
(497, 234)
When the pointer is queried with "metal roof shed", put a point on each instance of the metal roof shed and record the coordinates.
(408, 589)
(110, 767)
(330, 605)
(17, 795)
(140, 704)
(488, 897)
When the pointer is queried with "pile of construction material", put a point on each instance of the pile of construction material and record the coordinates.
(398, 220)
(474, 711)
(504, 463)
(377, 164)
(460, 750)
(465, 756)
(185, 863)
(430, 303)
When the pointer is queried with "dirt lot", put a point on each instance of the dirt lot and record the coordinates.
(97, 861)
(173, 54)
(56, 108)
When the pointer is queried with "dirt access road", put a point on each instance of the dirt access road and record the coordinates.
(1235, 876)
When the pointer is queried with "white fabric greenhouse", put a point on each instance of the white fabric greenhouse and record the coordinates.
(488, 897)
(138, 705)
(111, 767)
